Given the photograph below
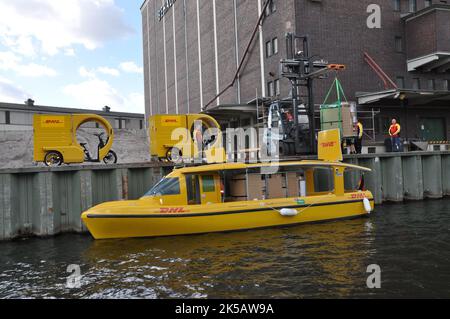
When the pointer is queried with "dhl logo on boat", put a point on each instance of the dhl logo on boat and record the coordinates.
(164, 210)
(329, 144)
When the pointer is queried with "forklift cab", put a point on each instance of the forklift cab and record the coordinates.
(282, 129)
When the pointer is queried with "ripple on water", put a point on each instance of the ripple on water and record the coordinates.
(410, 243)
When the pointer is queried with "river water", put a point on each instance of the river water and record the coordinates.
(409, 242)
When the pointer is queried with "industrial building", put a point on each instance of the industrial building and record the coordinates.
(19, 117)
(397, 67)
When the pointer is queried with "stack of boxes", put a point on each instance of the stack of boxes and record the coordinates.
(260, 187)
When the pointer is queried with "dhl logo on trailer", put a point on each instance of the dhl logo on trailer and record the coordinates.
(52, 121)
(170, 121)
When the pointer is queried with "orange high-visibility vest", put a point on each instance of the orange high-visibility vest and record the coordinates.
(394, 130)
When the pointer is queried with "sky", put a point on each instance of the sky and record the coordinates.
(72, 53)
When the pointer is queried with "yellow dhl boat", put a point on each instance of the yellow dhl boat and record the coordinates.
(239, 196)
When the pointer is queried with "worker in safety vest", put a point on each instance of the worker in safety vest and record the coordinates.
(358, 141)
(394, 133)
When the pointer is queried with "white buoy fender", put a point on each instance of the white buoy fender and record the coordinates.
(288, 212)
(367, 206)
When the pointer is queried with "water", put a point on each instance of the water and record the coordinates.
(411, 244)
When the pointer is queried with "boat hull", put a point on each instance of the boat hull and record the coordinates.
(239, 217)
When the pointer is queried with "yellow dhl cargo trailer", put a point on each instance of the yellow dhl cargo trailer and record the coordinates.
(185, 137)
(55, 139)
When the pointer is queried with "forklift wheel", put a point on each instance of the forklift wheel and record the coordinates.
(53, 158)
(174, 155)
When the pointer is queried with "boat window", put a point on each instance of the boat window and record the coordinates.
(208, 185)
(353, 180)
(323, 179)
(192, 188)
(167, 186)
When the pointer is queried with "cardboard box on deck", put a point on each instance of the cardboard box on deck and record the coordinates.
(293, 184)
(238, 186)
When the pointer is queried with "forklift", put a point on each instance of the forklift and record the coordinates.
(291, 121)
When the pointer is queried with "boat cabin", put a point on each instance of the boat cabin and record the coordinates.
(222, 183)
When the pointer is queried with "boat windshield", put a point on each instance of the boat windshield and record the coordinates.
(166, 186)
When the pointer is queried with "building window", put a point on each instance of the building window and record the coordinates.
(271, 8)
(397, 6)
(277, 87)
(432, 84)
(416, 84)
(271, 47)
(399, 44)
(428, 3)
(7, 117)
(412, 5)
(275, 46)
(268, 49)
(120, 124)
(400, 82)
(447, 85)
(271, 88)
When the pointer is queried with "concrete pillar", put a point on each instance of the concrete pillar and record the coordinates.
(392, 179)
(67, 200)
(432, 176)
(446, 175)
(412, 177)
(105, 186)
(86, 193)
(25, 205)
(5, 206)
(43, 221)
(372, 180)
(121, 183)
(140, 180)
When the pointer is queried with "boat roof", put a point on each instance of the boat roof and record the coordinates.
(242, 166)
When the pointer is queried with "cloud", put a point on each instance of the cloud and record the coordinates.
(85, 73)
(131, 67)
(69, 52)
(94, 92)
(9, 92)
(97, 93)
(11, 62)
(30, 27)
(108, 71)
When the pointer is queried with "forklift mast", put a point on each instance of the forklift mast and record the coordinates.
(301, 68)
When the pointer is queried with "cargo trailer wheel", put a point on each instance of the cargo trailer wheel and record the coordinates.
(174, 155)
(110, 158)
(53, 158)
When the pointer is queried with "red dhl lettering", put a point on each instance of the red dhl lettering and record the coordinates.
(358, 196)
(172, 121)
(53, 122)
(328, 144)
(172, 210)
